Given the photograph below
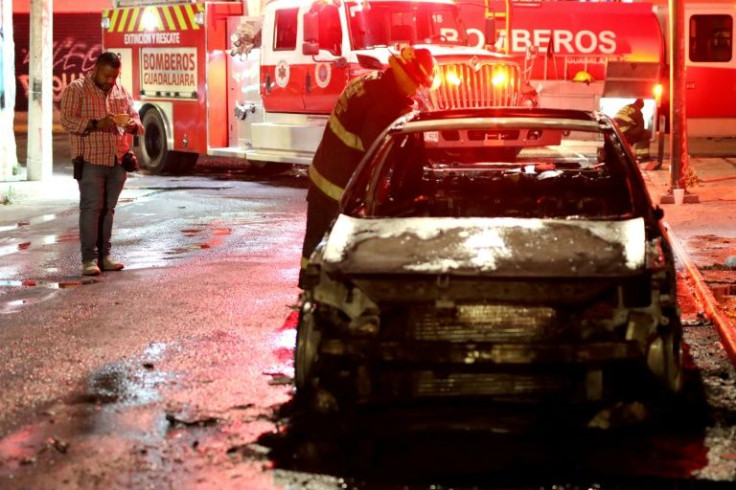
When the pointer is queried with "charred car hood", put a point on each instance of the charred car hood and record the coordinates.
(503, 247)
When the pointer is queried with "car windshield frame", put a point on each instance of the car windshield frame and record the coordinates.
(509, 179)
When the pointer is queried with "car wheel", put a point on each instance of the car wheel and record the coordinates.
(305, 357)
(665, 358)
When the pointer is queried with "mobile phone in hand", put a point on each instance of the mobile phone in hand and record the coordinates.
(121, 119)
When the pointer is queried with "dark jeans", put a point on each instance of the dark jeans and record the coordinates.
(99, 190)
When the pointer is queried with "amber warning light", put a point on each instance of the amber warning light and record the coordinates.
(452, 78)
(499, 78)
(657, 90)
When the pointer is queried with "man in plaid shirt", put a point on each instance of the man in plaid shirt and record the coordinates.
(98, 113)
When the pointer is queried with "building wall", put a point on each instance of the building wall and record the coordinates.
(65, 6)
(77, 43)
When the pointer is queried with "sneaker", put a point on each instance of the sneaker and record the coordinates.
(108, 264)
(90, 268)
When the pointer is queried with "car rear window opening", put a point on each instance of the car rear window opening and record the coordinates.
(525, 173)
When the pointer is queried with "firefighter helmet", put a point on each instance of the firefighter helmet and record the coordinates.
(583, 77)
(418, 64)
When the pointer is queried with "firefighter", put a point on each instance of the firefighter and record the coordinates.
(364, 109)
(631, 122)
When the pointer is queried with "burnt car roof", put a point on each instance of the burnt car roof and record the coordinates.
(503, 117)
(503, 112)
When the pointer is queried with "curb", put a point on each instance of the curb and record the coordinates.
(725, 328)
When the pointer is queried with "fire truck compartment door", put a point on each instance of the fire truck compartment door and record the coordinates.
(625, 79)
(291, 138)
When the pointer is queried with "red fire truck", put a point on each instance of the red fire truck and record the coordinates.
(600, 55)
(211, 79)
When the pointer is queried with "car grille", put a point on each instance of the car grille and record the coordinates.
(474, 86)
(482, 323)
(430, 384)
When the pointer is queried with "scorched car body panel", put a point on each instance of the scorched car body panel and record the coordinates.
(486, 247)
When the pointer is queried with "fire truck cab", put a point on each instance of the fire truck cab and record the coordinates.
(211, 79)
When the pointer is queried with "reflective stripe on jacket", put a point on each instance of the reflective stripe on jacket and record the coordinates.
(324, 185)
(626, 118)
(364, 109)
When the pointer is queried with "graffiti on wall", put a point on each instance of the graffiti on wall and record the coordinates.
(76, 45)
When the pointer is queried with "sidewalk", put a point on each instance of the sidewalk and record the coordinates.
(715, 188)
(26, 199)
(704, 237)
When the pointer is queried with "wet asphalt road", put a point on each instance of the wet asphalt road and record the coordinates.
(176, 372)
(106, 371)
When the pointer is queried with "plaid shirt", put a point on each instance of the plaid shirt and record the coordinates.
(83, 100)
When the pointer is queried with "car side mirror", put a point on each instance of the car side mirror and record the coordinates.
(658, 213)
(311, 27)
(369, 62)
(310, 48)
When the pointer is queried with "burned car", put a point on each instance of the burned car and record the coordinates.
(509, 255)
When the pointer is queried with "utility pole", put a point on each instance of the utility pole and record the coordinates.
(679, 154)
(8, 154)
(40, 91)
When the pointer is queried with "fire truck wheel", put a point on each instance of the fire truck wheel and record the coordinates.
(154, 151)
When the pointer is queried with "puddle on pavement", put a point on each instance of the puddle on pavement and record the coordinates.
(69, 237)
(33, 221)
(114, 400)
(16, 305)
(47, 284)
(124, 384)
(217, 233)
(214, 234)
(193, 238)
(11, 249)
(44, 240)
